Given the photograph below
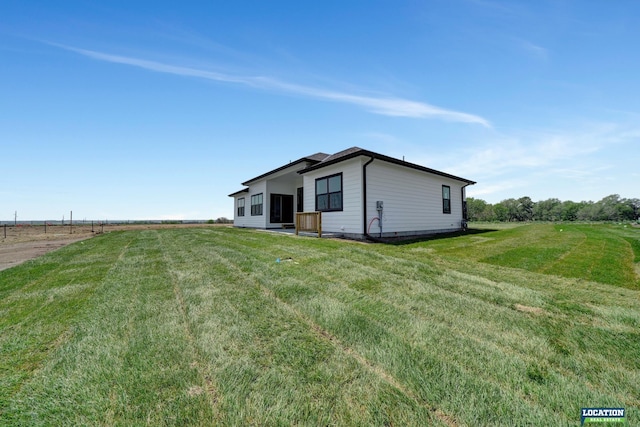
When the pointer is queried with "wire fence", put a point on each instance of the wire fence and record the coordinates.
(29, 230)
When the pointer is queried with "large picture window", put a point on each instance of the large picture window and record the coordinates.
(256, 204)
(329, 193)
(241, 206)
(446, 199)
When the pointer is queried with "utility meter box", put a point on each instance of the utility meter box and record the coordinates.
(379, 204)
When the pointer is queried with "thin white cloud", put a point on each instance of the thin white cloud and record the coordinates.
(534, 49)
(585, 174)
(484, 189)
(387, 106)
(534, 152)
(544, 164)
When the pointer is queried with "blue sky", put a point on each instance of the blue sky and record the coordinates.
(159, 110)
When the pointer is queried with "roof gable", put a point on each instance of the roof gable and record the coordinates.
(313, 159)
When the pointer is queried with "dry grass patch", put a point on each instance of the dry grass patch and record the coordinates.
(527, 309)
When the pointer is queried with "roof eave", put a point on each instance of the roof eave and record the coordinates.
(281, 168)
(244, 190)
(388, 159)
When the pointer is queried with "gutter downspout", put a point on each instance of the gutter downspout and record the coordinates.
(364, 197)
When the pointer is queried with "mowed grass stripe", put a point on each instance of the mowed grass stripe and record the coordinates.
(603, 253)
(370, 327)
(603, 257)
(536, 373)
(37, 317)
(203, 327)
(269, 342)
(127, 361)
(362, 326)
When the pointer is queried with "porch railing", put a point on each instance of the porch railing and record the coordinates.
(309, 222)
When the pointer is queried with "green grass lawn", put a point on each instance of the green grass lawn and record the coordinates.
(204, 327)
(604, 253)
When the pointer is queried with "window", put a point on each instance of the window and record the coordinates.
(256, 204)
(241, 206)
(329, 193)
(446, 199)
(300, 200)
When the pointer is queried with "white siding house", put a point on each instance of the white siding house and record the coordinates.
(348, 188)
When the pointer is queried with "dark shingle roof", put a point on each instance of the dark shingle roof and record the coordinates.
(353, 152)
(244, 190)
(318, 157)
(341, 154)
(314, 158)
(320, 160)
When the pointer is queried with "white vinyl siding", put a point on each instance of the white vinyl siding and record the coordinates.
(412, 199)
(248, 220)
(349, 219)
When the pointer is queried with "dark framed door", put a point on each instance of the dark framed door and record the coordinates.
(281, 209)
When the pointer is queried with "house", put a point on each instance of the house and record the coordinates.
(358, 192)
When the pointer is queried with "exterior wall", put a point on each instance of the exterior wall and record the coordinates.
(349, 220)
(412, 201)
(285, 181)
(258, 221)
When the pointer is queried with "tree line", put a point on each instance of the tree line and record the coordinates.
(610, 208)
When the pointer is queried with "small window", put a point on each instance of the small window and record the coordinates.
(329, 193)
(256, 204)
(446, 199)
(241, 206)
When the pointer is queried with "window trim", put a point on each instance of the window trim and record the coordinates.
(446, 202)
(328, 193)
(240, 210)
(257, 208)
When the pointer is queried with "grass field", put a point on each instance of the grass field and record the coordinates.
(521, 326)
(603, 253)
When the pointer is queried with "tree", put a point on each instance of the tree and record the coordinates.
(589, 211)
(634, 204)
(569, 210)
(524, 209)
(548, 210)
(475, 207)
(610, 208)
(500, 212)
(506, 210)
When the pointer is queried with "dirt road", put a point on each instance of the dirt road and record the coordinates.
(16, 253)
